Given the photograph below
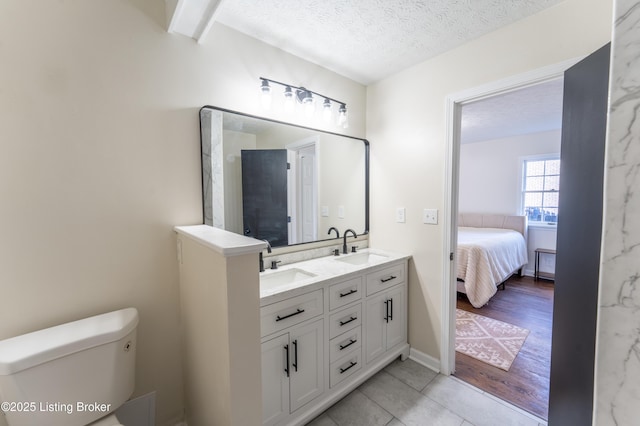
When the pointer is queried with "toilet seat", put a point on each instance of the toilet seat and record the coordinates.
(110, 420)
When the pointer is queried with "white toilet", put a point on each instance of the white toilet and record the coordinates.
(74, 374)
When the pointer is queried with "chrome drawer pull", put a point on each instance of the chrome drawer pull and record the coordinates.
(348, 293)
(391, 277)
(299, 311)
(348, 321)
(351, 342)
(295, 354)
(342, 370)
(286, 368)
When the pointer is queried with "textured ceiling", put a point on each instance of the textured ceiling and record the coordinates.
(367, 40)
(532, 109)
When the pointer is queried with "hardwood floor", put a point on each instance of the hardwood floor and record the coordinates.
(529, 304)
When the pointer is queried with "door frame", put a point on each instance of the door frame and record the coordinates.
(295, 211)
(454, 103)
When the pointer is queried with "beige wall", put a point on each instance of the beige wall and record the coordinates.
(406, 128)
(100, 158)
(491, 171)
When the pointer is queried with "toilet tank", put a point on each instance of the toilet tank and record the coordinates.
(71, 374)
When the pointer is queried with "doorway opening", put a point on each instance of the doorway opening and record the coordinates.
(463, 198)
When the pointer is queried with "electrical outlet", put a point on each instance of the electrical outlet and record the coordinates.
(341, 212)
(430, 216)
(400, 215)
(325, 211)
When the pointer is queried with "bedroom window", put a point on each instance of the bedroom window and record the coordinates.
(541, 185)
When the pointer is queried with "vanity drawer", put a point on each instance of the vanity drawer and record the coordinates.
(345, 367)
(385, 278)
(345, 344)
(344, 293)
(345, 320)
(286, 313)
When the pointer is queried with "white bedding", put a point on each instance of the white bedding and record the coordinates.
(486, 257)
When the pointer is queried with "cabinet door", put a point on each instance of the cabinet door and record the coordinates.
(376, 327)
(307, 363)
(397, 325)
(275, 383)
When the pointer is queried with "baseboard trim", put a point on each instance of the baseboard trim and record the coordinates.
(425, 359)
(528, 272)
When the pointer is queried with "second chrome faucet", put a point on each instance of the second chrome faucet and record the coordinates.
(344, 244)
(333, 228)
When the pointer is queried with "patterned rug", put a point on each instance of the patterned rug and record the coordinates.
(494, 342)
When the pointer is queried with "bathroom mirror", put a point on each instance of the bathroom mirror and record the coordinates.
(279, 182)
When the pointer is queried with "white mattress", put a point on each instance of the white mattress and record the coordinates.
(486, 257)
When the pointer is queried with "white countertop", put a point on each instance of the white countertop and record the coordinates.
(325, 268)
(224, 242)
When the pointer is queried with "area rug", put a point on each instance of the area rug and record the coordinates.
(494, 342)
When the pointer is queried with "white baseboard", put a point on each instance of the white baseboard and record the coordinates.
(424, 359)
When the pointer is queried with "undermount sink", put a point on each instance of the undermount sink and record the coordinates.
(285, 277)
(362, 258)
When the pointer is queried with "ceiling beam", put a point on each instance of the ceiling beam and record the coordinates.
(192, 18)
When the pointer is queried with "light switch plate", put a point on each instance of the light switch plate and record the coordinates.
(341, 212)
(325, 211)
(400, 215)
(430, 216)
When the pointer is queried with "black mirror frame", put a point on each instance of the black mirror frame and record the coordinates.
(366, 160)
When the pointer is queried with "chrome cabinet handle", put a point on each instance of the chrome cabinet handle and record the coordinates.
(286, 368)
(351, 319)
(295, 354)
(342, 370)
(299, 311)
(351, 342)
(348, 293)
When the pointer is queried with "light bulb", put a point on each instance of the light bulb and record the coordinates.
(326, 110)
(289, 104)
(309, 107)
(265, 97)
(342, 116)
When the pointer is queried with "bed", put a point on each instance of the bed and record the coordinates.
(491, 248)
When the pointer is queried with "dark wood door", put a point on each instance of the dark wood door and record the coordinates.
(264, 195)
(580, 207)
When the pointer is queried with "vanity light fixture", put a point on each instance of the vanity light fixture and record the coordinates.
(289, 104)
(265, 97)
(342, 116)
(326, 110)
(305, 97)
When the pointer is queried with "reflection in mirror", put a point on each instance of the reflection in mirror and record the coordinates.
(280, 182)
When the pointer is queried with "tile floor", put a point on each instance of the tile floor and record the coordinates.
(406, 393)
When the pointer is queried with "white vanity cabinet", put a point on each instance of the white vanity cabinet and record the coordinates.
(386, 322)
(292, 370)
(319, 345)
(293, 361)
(386, 310)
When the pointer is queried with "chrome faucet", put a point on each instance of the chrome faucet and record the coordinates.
(333, 228)
(261, 259)
(344, 245)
